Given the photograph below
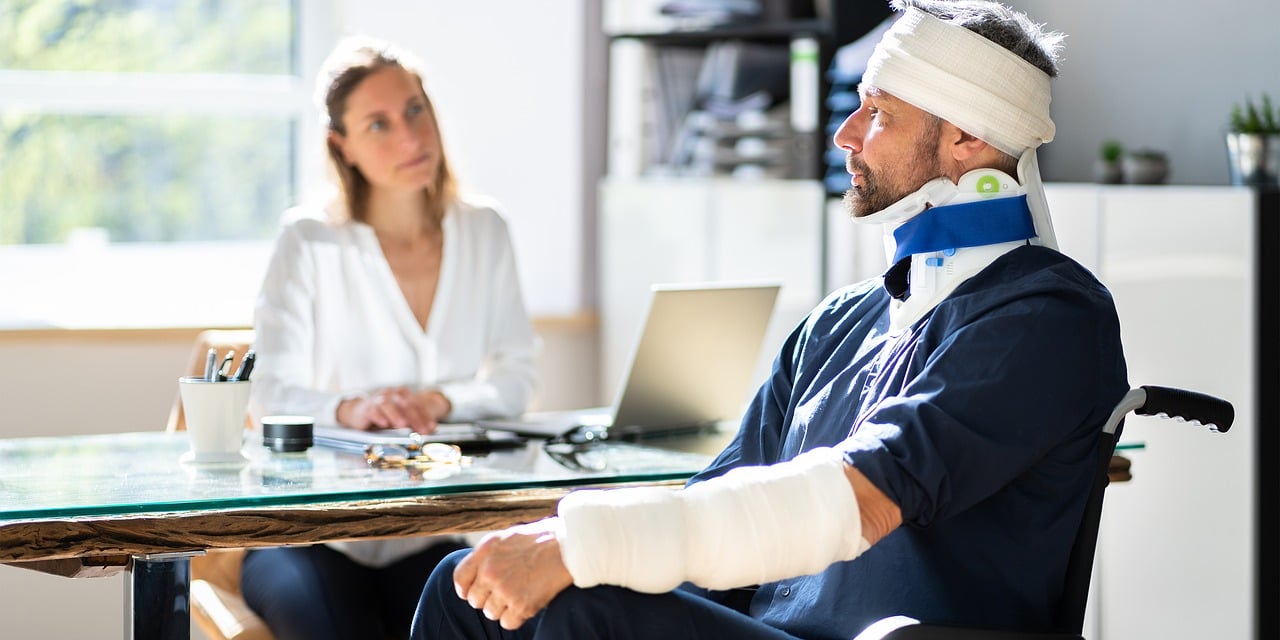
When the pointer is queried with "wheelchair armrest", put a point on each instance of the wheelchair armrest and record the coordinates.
(904, 628)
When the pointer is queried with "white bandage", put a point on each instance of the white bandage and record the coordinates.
(750, 526)
(965, 79)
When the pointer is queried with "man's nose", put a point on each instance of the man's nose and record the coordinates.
(849, 136)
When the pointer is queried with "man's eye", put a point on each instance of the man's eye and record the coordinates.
(415, 109)
(377, 125)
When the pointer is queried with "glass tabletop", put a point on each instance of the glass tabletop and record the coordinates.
(141, 473)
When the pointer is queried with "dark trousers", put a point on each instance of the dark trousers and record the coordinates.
(318, 593)
(586, 614)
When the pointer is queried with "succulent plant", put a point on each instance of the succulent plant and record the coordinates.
(1260, 118)
(1111, 150)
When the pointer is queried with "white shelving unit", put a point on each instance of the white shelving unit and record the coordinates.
(1176, 550)
(701, 230)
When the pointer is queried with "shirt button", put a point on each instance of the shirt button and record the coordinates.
(785, 591)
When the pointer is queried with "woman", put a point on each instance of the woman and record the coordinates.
(402, 309)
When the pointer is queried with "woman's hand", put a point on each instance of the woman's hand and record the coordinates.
(395, 408)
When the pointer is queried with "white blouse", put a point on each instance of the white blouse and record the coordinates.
(331, 322)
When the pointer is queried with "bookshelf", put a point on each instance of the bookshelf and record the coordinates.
(746, 201)
(744, 100)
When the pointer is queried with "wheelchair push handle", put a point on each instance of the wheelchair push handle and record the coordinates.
(1191, 406)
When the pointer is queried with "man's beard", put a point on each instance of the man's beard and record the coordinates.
(880, 191)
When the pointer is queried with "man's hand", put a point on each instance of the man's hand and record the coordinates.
(395, 408)
(513, 574)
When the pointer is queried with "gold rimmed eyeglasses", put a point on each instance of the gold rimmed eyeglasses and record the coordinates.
(415, 455)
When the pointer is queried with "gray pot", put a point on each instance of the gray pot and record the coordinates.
(1145, 169)
(1107, 172)
(1254, 159)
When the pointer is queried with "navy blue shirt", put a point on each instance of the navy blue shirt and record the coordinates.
(980, 421)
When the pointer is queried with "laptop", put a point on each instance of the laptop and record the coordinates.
(691, 366)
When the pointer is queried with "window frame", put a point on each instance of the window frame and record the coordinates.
(141, 93)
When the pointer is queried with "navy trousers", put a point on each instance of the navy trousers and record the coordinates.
(320, 594)
(586, 614)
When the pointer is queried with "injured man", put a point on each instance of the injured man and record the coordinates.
(926, 440)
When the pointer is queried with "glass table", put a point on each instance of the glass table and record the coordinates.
(82, 505)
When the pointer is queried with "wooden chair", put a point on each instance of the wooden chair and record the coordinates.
(217, 606)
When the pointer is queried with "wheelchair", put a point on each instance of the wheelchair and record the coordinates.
(1166, 402)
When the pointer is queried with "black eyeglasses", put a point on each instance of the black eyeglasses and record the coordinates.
(578, 448)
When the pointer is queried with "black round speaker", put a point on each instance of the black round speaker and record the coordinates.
(287, 434)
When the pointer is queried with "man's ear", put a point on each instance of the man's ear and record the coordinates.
(963, 147)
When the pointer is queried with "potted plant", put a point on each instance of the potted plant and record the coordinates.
(1106, 169)
(1145, 166)
(1253, 143)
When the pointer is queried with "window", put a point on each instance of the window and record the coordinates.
(147, 149)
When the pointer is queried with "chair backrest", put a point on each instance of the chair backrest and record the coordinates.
(221, 340)
(1070, 614)
(1189, 406)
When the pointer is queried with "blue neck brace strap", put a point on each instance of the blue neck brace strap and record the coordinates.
(971, 224)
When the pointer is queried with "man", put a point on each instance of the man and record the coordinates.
(925, 443)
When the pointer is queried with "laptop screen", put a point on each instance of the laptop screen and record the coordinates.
(691, 366)
(695, 357)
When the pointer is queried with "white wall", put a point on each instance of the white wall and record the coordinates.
(507, 77)
(1156, 73)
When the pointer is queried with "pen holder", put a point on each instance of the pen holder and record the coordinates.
(215, 418)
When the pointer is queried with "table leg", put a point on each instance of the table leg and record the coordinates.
(157, 597)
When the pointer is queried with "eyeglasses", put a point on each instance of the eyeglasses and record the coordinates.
(577, 449)
(439, 458)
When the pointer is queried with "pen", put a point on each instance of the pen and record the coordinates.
(246, 366)
(210, 365)
(225, 369)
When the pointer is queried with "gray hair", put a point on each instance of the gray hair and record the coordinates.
(1000, 24)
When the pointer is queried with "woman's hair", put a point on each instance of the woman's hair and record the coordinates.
(351, 61)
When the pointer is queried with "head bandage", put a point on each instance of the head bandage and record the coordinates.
(975, 84)
(963, 78)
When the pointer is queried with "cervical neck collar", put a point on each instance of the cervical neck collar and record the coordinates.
(979, 185)
(954, 230)
(969, 224)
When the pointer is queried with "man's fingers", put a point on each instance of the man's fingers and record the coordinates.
(478, 595)
(511, 621)
(465, 575)
(494, 610)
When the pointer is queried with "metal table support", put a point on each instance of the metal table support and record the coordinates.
(157, 597)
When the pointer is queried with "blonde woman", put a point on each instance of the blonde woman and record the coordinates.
(397, 307)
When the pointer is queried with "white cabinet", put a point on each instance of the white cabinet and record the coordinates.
(680, 230)
(1175, 554)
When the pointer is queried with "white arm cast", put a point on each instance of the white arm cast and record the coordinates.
(750, 526)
